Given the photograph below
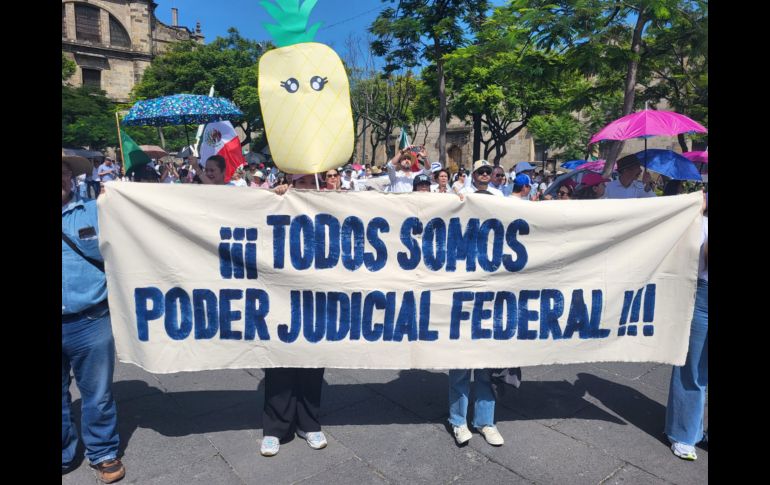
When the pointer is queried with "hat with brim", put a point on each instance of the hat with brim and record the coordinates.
(523, 166)
(627, 161)
(376, 171)
(79, 165)
(481, 163)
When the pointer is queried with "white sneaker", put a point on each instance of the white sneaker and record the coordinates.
(683, 451)
(270, 446)
(462, 434)
(492, 436)
(316, 440)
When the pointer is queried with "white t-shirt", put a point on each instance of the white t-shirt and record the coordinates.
(615, 190)
(401, 181)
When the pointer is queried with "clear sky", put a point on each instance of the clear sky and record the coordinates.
(339, 18)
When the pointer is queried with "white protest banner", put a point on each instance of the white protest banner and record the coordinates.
(219, 277)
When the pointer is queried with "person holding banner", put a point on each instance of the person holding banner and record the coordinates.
(484, 404)
(687, 392)
(292, 395)
(88, 347)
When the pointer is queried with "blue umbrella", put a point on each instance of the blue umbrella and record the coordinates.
(572, 164)
(670, 164)
(181, 109)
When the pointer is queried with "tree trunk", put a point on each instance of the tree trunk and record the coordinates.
(629, 90)
(363, 141)
(682, 142)
(442, 117)
(500, 151)
(162, 139)
(476, 136)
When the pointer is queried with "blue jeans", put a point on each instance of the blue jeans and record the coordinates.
(89, 350)
(687, 393)
(460, 387)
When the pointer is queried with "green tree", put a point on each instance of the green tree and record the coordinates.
(88, 118)
(560, 131)
(425, 30)
(228, 63)
(679, 64)
(599, 36)
(68, 67)
(387, 101)
(506, 80)
(424, 109)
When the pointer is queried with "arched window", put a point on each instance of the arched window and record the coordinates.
(87, 23)
(63, 23)
(118, 35)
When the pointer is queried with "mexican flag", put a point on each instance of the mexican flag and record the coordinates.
(133, 156)
(220, 138)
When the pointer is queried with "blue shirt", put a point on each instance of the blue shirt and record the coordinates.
(110, 176)
(82, 284)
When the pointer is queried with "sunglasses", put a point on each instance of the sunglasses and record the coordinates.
(563, 193)
(484, 171)
(332, 175)
(500, 175)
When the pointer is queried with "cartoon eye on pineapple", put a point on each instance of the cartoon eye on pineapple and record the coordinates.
(304, 94)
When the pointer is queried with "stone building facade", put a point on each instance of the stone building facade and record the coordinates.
(459, 144)
(113, 42)
(522, 147)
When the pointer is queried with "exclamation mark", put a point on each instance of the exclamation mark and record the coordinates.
(236, 251)
(635, 309)
(627, 297)
(225, 263)
(649, 310)
(251, 253)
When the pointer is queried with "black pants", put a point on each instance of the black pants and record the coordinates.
(292, 400)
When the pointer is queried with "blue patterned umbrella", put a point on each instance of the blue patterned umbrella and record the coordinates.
(670, 164)
(181, 109)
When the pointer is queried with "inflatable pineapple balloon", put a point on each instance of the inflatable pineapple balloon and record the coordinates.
(304, 94)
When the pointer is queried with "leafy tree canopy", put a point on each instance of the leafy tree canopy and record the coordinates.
(228, 63)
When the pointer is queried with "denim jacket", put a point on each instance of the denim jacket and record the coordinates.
(82, 284)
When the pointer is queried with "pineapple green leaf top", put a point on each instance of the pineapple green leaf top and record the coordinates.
(292, 21)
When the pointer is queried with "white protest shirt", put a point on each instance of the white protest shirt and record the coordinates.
(615, 190)
(401, 181)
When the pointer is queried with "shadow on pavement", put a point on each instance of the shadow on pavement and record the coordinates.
(414, 397)
(628, 403)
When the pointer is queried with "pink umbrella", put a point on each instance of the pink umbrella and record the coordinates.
(648, 123)
(595, 166)
(702, 157)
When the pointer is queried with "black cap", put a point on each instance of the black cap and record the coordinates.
(421, 179)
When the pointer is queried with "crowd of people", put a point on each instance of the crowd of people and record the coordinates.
(293, 396)
(523, 180)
